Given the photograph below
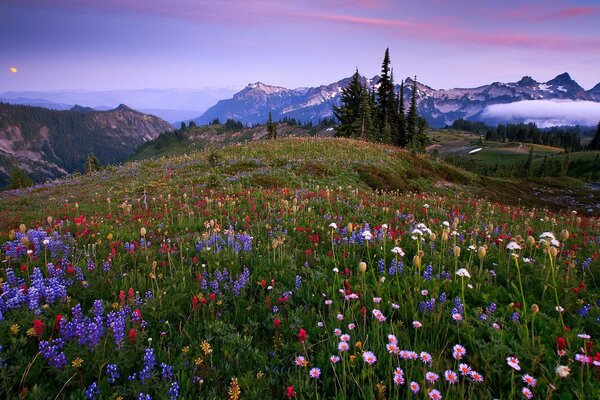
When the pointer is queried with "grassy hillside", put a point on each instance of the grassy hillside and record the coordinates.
(295, 162)
(216, 136)
(295, 268)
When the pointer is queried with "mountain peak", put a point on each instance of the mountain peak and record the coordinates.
(123, 107)
(81, 109)
(527, 81)
(265, 88)
(562, 79)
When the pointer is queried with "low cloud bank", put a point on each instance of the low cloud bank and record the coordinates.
(545, 113)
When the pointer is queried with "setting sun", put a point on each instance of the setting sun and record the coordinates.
(13, 70)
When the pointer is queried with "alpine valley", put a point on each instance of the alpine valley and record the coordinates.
(49, 143)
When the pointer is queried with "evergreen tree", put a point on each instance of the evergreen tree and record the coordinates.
(92, 163)
(365, 126)
(348, 111)
(19, 179)
(543, 167)
(271, 128)
(192, 124)
(595, 167)
(565, 166)
(400, 139)
(528, 162)
(595, 143)
(182, 128)
(385, 88)
(387, 108)
(411, 119)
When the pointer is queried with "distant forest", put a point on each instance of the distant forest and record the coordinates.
(565, 137)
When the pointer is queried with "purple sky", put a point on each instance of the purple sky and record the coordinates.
(125, 44)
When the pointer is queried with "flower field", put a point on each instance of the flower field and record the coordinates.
(257, 273)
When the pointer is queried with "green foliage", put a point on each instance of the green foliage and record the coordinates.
(595, 143)
(271, 128)
(92, 164)
(19, 179)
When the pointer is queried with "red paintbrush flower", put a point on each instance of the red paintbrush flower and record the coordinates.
(289, 392)
(302, 335)
(132, 336)
(38, 327)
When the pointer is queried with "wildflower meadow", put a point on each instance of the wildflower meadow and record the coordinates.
(170, 287)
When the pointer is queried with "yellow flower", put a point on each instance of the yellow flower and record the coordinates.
(76, 363)
(198, 361)
(30, 332)
(109, 236)
(206, 347)
(185, 350)
(14, 329)
(260, 375)
(234, 390)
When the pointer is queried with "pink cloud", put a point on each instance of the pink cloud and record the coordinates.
(443, 33)
(541, 13)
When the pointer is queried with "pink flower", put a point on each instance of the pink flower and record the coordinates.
(435, 395)
(414, 387)
(369, 357)
(464, 369)
(529, 380)
(315, 373)
(425, 357)
(300, 361)
(399, 379)
(477, 377)
(458, 351)
(343, 346)
(334, 359)
(451, 376)
(527, 393)
(431, 377)
(513, 362)
(392, 348)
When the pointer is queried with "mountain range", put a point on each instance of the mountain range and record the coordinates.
(51, 143)
(440, 107)
(169, 104)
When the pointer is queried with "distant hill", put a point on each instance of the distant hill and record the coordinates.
(50, 143)
(171, 105)
(220, 135)
(440, 107)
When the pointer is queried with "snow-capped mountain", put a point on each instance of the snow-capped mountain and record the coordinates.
(439, 107)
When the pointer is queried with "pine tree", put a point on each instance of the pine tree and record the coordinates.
(19, 179)
(348, 111)
(595, 143)
(543, 167)
(271, 128)
(92, 163)
(595, 167)
(412, 121)
(386, 101)
(401, 131)
(565, 166)
(528, 162)
(365, 126)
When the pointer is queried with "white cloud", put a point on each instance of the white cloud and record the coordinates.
(546, 113)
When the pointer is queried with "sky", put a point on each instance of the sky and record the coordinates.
(192, 44)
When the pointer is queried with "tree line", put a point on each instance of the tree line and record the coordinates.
(566, 137)
(380, 115)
